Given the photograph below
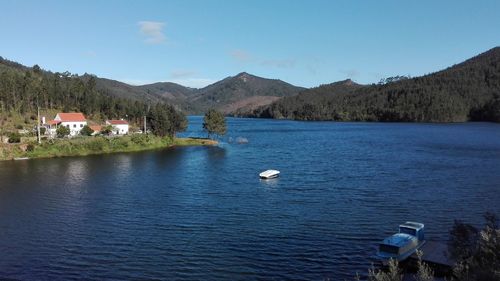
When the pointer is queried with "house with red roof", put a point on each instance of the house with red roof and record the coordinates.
(74, 121)
(120, 127)
(96, 128)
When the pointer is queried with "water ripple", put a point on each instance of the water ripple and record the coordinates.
(201, 213)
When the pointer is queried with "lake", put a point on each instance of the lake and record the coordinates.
(202, 213)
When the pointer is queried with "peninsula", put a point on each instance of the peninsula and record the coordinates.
(82, 146)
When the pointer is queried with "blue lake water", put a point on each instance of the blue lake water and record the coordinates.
(201, 213)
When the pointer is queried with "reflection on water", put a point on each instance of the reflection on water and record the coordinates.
(75, 174)
(269, 182)
(193, 213)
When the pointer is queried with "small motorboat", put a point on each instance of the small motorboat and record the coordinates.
(269, 174)
(403, 244)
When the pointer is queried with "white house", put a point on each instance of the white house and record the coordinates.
(73, 121)
(120, 127)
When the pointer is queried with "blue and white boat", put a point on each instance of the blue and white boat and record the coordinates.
(269, 174)
(401, 245)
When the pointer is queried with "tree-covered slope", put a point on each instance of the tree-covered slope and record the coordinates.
(168, 90)
(311, 104)
(23, 88)
(466, 91)
(233, 92)
(90, 94)
(171, 93)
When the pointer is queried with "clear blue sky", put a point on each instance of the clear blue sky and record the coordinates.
(194, 43)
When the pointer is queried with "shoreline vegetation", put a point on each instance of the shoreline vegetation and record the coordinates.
(82, 146)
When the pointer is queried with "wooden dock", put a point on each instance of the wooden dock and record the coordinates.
(436, 255)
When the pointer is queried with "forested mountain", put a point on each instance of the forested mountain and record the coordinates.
(466, 91)
(21, 86)
(311, 104)
(241, 91)
(23, 89)
(149, 92)
(168, 90)
(172, 93)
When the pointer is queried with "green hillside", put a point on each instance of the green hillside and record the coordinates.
(469, 91)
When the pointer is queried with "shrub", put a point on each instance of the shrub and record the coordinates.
(30, 147)
(119, 143)
(140, 139)
(96, 144)
(19, 127)
(86, 131)
(424, 273)
(107, 130)
(393, 274)
(62, 131)
(481, 258)
(14, 138)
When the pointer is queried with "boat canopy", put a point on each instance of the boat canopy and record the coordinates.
(413, 228)
(398, 239)
(414, 225)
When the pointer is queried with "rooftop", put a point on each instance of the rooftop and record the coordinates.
(414, 225)
(96, 128)
(398, 239)
(117, 122)
(53, 122)
(71, 117)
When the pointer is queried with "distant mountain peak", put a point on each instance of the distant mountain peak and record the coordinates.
(244, 76)
(348, 82)
(241, 90)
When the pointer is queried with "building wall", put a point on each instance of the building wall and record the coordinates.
(74, 127)
(120, 129)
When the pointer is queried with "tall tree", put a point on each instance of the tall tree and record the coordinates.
(214, 123)
(166, 121)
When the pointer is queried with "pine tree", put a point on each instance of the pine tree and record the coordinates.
(214, 123)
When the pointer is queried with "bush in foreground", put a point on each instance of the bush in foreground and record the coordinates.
(477, 251)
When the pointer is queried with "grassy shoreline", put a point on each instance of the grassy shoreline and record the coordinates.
(82, 146)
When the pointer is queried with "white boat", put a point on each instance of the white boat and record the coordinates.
(269, 174)
(403, 244)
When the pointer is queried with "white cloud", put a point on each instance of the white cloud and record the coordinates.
(152, 31)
